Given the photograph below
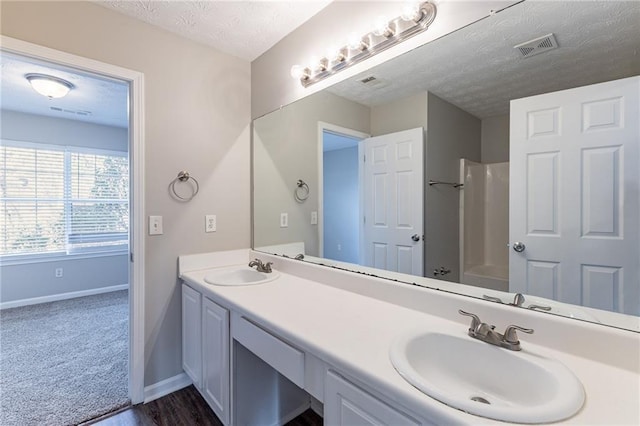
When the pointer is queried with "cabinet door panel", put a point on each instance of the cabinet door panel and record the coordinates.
(347, 405)
(215, 354)
(191, 335)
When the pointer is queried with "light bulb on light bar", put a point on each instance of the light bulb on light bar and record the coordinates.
(335, 54)
(298, 72)
(415, 19)
(355, 42)
(381, 27)
(49, 86)
(411, 12)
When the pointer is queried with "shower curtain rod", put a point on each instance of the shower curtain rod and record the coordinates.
(455, 185)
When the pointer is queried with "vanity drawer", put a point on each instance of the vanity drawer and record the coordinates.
(280, 355)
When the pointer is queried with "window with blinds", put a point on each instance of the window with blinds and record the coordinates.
(62, 200)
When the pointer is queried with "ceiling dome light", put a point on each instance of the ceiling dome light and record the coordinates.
(49, 86)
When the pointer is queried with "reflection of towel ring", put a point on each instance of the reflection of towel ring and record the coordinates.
(302, 191)
(184, 177)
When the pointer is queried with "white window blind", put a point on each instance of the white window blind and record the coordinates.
(67, 200)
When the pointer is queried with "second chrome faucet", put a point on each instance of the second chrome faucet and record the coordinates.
(485, 332)
(261, 267)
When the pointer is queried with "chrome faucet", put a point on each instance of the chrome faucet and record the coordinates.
(485, 332)
(261, 267)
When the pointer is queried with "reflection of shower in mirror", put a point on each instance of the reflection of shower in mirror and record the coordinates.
(484, 225)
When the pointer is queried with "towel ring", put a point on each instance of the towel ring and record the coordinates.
(184, 176)
(301, 192)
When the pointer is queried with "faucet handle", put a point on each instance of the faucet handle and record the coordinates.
(492, 299)
(510, 335)
(541, 307)
(518, 299)
(267, 267)
(475, 320)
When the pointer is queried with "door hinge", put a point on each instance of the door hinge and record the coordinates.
(364, 158)
(364, 219)
(131, 257)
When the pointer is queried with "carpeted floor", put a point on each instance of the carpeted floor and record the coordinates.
(64, 362)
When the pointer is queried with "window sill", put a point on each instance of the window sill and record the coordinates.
(57, 257)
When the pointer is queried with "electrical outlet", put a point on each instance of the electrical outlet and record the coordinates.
(284, 220)
(155, 225)
(314, 218)
(59, 272)
(210, 223)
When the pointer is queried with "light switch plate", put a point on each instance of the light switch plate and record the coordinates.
(210, 223)
(284, 220)
(155, 225)
(314, 218)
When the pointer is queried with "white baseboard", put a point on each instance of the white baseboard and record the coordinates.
(61, 296)
(166, 386)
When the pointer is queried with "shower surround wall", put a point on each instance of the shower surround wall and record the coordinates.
(484, 223)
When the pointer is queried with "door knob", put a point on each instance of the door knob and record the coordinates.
(518, 246)
(415, 237)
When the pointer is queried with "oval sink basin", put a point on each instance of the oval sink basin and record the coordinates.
(487, 380)
(238, 276)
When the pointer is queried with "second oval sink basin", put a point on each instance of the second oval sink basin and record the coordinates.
(238, 276)
(487, 380)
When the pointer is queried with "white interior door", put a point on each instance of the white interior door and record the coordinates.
(574, 196)
(392, 201)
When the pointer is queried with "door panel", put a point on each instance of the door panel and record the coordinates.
(574, 195)
(392, 201)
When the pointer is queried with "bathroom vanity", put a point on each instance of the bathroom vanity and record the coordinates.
(321, 338)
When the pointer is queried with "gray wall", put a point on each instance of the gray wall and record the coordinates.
(37, 279)
(286, 149)
(31, 280)
(197, 118)
(399, 115)
(451, 134)
(341, 205)
(495, 139)
(24, 127)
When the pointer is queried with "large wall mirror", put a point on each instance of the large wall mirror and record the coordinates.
(475, 167)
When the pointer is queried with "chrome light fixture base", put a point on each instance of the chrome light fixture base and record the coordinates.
(371, 44)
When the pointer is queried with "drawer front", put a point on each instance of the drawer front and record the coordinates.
(283, 357)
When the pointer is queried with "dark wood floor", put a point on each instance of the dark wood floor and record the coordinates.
(182, 408)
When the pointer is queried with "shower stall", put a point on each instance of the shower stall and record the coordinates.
(484, 225)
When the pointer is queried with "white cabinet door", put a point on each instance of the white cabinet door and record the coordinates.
(348, 405)
(215, 356)
(574, 196)
(191, 336)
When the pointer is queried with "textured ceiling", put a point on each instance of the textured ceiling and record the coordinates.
(94, 99)
(245, 29)
(478, 70)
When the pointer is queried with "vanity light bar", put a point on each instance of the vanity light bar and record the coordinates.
(386, 34)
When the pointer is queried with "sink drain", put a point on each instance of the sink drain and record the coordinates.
(480, 399)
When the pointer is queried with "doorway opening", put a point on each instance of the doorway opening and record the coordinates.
(71, 207)
(339, 193)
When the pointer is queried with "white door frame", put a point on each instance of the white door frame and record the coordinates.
(322, 126)
(136, 153)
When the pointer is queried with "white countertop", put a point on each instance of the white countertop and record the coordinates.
(353, 333)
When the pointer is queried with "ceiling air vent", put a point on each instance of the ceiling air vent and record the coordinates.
(373, 82)
(72, 111)
(537, 46)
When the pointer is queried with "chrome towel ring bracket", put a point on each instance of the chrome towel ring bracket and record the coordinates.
(184, 176)
(301, 193)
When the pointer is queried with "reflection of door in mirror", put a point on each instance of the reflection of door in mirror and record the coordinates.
(392, 216)
(574, 194)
